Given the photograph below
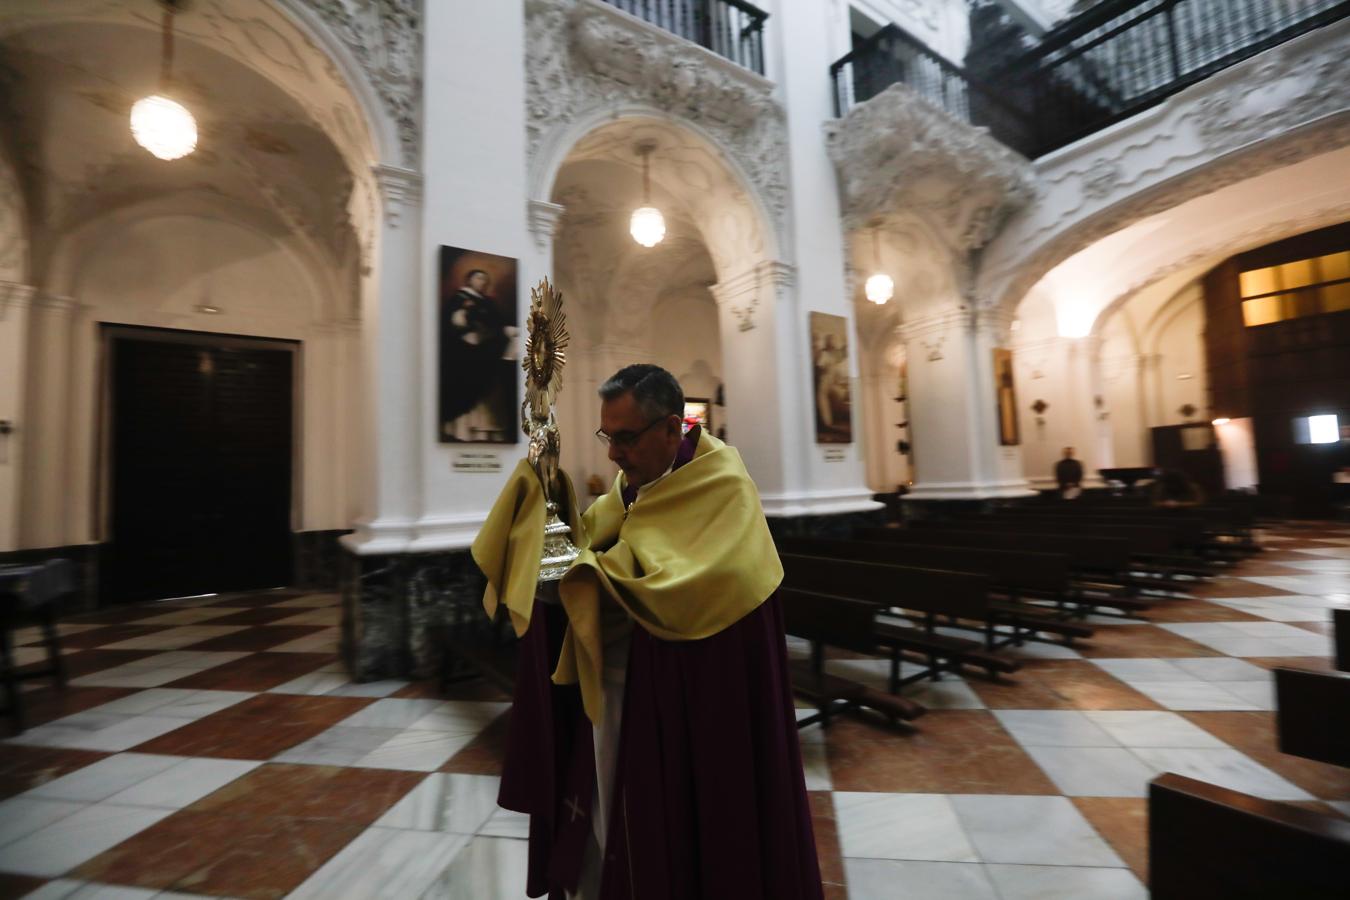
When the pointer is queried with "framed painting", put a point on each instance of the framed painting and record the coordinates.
(830, 380)
(479, 372)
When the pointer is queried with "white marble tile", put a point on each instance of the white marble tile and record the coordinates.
(1031, 830)
(70, 889)
(1040, 650)
(1308, 645)
(901, 826)
(1326, 566)
(33, 634)
(369, 689)
(127, 676)
(98, 731)
(949, 693)
(325, 641)
(816, 766)
(1135, 671)
(392, 713)
(890, 879)
(487, 869)
(313, 684)
(1193, 695)
(1053, 728)
(1219, 669)
(415, 751)
(185, 783)
(70, 841)
(1094, 771)
(1152, 728)
(506, 823)
(175, 638)
(1199, 631)
(1311, 583)
(461, 717)
(1267, 630)
(1065, 883)
(340, 745)
(384, 863)
(1341, 806)
(1226, 768)
(1332, 552)
(175, 702)
(1261, 693)
(192, 660)
(188, 615)
(446, 801)
(22, 815)
(100, 780)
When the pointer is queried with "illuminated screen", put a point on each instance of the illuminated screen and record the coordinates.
(1323, 430)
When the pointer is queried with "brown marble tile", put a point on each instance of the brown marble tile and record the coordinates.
(258, 638)
(827, 842)
(1116, 641)
(949, 752)
(1313, 663)
(1318, 806)
(1199, 611)
(1084, 686)
(118, 615)
(1262, 567)
(485, 753)
(1123, 823)
(259, 672)
(258, 615)
(330, 793)
(264, 598)
(1017, 692)
(18, 885)
(1253, 733)
(98, 637)
(23, 768)
(86, 662)
(213, 853)
(469, 689)
(1316, 627)
(1237, 587)
(258, 728)
(51, 703)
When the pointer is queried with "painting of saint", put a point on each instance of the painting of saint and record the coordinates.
(830, 379)
(1008, 434)
(479, 372)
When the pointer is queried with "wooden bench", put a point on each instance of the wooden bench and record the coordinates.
(1312, 716)
(1207, 841)
(847, 625)
(1099, 564)
(926, 591)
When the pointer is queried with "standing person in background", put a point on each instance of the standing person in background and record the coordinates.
(1069, 475)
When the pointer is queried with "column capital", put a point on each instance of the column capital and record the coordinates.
(544, 218)
(15, 295)
(54, 303)
(742, 292)
(933, 330)
(400, 189)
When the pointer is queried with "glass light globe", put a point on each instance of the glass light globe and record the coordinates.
(163, 127)
(647, 226)
(879, 288)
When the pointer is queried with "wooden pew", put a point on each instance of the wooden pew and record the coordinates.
(1340, 628)
(1206, 841)
(847, 625)
(1104, 560)
(1016, 576)
(1312, 716)
(928, 591)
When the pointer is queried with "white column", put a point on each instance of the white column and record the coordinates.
(391, 368)
(15, 304)
(43, 500)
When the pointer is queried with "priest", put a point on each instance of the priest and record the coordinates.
(672, 765)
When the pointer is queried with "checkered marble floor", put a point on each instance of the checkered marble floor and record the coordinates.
(215, 747)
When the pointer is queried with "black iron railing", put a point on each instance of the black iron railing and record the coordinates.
(893, 55)
(1102, 66)
(730, 28)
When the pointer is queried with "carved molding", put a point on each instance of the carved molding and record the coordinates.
(385, 37)
(400, 189)
(14, 295)
(741, 293)
(586, 57)
(931, 332)
(1286, 105)
(545, 220)
(896, 153)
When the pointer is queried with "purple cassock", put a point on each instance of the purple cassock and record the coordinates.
(709, 800)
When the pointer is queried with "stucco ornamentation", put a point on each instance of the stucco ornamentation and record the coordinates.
(585, 56)
(898, 154)
(400, 189)
(385, 36)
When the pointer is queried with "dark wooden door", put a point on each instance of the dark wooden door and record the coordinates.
(201, 443)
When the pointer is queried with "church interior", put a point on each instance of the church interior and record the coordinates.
(1030, 320)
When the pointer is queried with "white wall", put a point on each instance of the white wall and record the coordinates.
(155, 272)
(944, 25)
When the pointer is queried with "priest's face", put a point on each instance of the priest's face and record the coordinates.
(642, 447)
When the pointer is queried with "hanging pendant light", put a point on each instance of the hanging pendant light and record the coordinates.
(879, 287)
(161, 125)
(647, 225)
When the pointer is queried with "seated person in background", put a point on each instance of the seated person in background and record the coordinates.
(1069, 474)
(1174, 488)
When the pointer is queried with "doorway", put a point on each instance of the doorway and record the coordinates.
(201, 443)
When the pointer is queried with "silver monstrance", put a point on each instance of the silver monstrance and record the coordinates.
(545, 356)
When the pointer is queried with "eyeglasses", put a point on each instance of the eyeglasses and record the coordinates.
(626, 438)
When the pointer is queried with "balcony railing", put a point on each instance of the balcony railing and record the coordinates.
(730, 28)
(1107, 64)
(893, 55)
